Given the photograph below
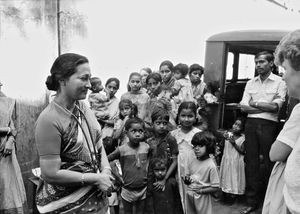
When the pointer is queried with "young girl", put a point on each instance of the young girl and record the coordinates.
(202, 177)
(159, 97)
(167, 75)
(186, 118)
(232, 164)
(144, 72)
(112, 86)
(182, 88)
(127, 110)
(136, 95)
(134, 159)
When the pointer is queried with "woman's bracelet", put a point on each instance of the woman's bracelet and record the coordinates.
(8, 131)
(82, 179)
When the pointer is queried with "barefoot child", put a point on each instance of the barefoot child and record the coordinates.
(134, 159)
(202, 176)
(187, 119)
(232, 164)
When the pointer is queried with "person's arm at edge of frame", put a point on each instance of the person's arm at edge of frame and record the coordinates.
(279, 151)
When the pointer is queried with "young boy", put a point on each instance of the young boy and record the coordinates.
(98, 100)
(163, 146)
(134, 159)
(167, 200)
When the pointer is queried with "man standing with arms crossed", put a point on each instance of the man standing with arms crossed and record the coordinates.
(262, 100)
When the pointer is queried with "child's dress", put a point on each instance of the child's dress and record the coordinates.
(140, 99)
(233, 168)
(203, 173)
(186, 153)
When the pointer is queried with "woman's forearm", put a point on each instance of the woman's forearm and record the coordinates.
(70, 178)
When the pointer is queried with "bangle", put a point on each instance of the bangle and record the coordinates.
(256, 104)
(8, 131)
(82, 179)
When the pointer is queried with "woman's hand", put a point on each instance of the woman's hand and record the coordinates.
(104, 182)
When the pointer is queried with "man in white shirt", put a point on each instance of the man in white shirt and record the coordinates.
(262, 100)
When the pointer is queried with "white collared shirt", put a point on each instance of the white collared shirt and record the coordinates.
(273, 89)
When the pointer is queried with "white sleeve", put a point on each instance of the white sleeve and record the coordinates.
(291, 129)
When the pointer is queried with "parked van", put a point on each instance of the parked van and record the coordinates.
(229, 64)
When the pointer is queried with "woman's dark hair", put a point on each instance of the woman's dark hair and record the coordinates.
(205, 138)
(159, 113)
(63, 67)
(130, 76)
(182, 68)
(156, 76)
(133, 107)
(134, 120)
(167, 63)
(113, 79)
(187, 105)
(196, 67)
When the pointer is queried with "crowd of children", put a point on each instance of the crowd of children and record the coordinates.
(161, 150)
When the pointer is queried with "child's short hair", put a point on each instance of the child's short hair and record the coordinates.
(94, 81)
(156, 76)
(134, 120)
(187, 105)
(127, 102)
(205, 138)
(196, 67)
(159, 113)
(159, 163)
(182, 68)
(167, 63)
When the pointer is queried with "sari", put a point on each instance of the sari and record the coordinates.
(81, 133)
(12, 191)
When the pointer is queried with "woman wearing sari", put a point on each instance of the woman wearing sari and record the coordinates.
(12, 191)
(75, 173)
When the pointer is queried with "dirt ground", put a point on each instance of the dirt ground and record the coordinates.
(221, 208)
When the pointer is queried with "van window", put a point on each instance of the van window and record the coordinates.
(246, 66)
(229, 68)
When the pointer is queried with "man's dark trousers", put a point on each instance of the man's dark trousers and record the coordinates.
(260, 135)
